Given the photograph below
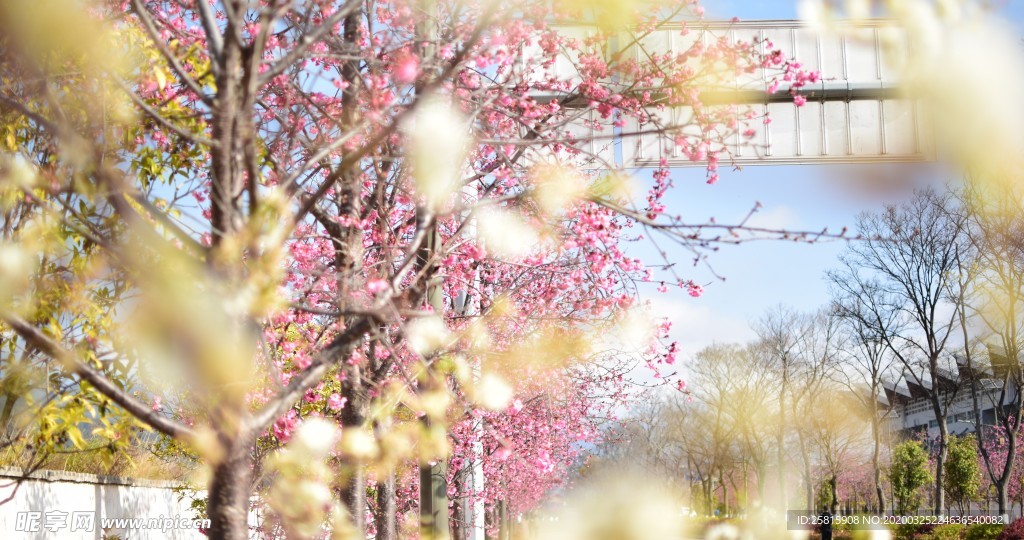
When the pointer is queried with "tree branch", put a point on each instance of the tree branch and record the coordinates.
(133, 406)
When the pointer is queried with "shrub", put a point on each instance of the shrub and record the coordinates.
(952, 531)
(912, 531)
(908, 474)
(983, 531)
(840, 535)
(1013, 531)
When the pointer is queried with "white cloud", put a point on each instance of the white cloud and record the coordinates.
(777, 217)
(695, 324)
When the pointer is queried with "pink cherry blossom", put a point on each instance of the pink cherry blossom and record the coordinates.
(377, 286)
(406, 68)
(336, 402)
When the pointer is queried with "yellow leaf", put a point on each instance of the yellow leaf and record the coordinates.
(75, 437)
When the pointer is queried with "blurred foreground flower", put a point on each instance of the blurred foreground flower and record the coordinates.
(301, 493)
(438, 147)
(505, 234)
(961, 62)
(616, 508)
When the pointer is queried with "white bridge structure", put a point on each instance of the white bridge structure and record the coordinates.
(855, 113)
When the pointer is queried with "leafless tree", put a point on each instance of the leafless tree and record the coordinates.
(780, 333)
(904, 274)
(991, 286)
(868, 365)
(754, 414)
(799, 349)
(837, 434)
(818, 345)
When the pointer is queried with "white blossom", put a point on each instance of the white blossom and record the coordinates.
(504, 234)
(315, 437)
(493, 392)
(439, 142)
(427, 335)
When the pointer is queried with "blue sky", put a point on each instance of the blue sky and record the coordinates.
(760, 275)
(787, 9)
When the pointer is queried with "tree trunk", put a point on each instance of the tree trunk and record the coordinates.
(876, 436)
(892, 499)
(760, 484)
(5, 417)
(229, 116)
(1001, 498)
(746, 488)
(228, 500)
(353, 492)
(709, 505)
(353, 497)
(503, 522)
(434, 502)
(808, 481)
(1011, 457)
(457, 522)
(348, 256)
(387, 509)
(781, 442)
(940, 461)
(879, 493)
(835, 494)
(490, 520)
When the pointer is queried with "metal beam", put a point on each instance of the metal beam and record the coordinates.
(842, 91)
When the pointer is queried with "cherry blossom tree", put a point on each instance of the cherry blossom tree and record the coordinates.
(349, 238)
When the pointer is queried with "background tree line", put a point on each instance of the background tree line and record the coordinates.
(927, 297)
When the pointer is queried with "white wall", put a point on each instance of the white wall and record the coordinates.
(104, 496)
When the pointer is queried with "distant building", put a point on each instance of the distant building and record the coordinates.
(911, 411)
